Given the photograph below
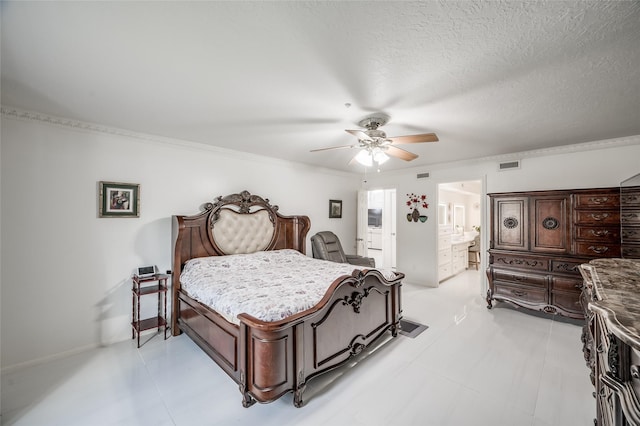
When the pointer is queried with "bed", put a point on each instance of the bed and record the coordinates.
(270, 357)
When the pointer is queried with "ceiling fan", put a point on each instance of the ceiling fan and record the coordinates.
(376, 146)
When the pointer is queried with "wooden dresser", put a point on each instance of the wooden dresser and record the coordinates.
(611, 338)
(539, 239)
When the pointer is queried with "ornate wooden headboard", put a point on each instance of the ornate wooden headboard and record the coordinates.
(237, 223)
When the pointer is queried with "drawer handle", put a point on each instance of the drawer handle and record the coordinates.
(519, 293)
(600, 233)
(599, 200)
(602, 216)
(518, 278)
(598, 249)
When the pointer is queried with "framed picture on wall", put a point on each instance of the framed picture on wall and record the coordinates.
(119, 199)
(335, 208)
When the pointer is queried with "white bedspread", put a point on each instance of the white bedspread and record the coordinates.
(269, 285)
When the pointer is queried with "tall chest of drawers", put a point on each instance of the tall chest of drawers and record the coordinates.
(539, 239)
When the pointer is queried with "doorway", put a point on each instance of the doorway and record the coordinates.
(459, 227)
(377, 226)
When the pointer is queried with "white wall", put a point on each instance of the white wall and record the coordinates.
(597, 165)
(65, 272)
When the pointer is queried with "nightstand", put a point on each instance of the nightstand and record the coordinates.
(153, 285)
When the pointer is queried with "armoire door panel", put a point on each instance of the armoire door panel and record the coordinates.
(549, 227)
(510, 223)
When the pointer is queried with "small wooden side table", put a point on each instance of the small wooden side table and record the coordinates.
(143, 287)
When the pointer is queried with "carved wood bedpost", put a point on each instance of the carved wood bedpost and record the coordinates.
(177, 224)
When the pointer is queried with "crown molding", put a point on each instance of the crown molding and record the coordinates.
(68, 123)
(19, 114)
(556, 150)
(83, 126)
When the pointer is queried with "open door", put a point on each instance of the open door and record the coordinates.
(376, 227)
(389, 230)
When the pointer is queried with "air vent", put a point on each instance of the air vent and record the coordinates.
(509, 165)
(422, 175)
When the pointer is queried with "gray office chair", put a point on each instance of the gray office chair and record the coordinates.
(326, 245)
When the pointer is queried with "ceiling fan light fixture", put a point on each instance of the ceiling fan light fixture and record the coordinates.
(379, 156)
(364, 157)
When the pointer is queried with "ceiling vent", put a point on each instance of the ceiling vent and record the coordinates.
(422, 175)
(509, 165)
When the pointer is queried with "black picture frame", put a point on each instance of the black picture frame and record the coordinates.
(118, 199)
(335, 209)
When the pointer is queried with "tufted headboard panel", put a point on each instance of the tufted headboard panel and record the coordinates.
(236, 223)
(236, 233)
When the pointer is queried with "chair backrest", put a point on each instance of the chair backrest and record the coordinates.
(475, 245)
(326, 245)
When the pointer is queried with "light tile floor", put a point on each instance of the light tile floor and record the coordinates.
(473, 366)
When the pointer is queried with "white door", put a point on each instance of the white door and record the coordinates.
(389, 230)
(391, 208)
(362, 223)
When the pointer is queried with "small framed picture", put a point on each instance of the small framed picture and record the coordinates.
(335, 208)
(119, 199)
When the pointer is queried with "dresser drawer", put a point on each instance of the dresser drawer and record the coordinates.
(566, 284)
(630, 217)
(630, 197)
(520, 278)
(585, 217)
(586, 201)
(597, 200)
(520, 262)
(630, 234)
(567, 267)
(569, 302)
(594, 249)
(598, 233)
(525, 294)
(630, 252)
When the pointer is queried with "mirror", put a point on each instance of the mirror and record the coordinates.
(630, 217)
(442, 214)
(458, 219)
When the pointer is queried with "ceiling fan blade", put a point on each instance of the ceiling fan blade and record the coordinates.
(425, 137)
(394, 151)
(333, 147)
(359, 134)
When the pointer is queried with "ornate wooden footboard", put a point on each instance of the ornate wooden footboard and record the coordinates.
(269, 359)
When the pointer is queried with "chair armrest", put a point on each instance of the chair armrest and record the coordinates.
(361, 261)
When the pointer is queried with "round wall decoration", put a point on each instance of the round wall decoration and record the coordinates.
(550, 223)
(510, 222)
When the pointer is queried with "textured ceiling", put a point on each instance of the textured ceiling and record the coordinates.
(273, 78)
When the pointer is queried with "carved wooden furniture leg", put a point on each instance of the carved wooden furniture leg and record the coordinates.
(489, 302)
(297, 396)
(394, 330)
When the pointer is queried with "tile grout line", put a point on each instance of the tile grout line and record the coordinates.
(544, 364)
(155, 384)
